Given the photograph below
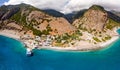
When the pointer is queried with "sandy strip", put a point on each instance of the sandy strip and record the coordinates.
(10, 33)
(114, 38)
(104, 44)
(85, 47)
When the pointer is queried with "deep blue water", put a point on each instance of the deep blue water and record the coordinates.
(13, 57)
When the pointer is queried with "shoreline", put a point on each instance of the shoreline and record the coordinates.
(90, 48)
(95, 47)
(109, 41)
(9, 34)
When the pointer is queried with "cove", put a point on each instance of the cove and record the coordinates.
(13, 57)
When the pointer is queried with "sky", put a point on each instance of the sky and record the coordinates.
(2, 2)
(66, 6)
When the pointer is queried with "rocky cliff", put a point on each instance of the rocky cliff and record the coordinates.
(92, 26)
(96, 25)
(94, 18)
(34, 19)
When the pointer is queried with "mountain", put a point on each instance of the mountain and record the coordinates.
(68, 17)
(113, 16)
(115, 12)
(96, 17)
(96, 25)
(53, 13)
(92, 26)
(31, 18)
(79, 14)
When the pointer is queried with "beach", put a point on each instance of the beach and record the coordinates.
(10, 33)
(13, 57)
(81, 45)
(84, 46)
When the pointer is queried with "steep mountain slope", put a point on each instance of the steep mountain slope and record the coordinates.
(96, 25)
(115, 12)
(114, 16)
(53, 13)
(31, 18)
(94, 18)
(68, 17)
(89, 28)
(79, 14)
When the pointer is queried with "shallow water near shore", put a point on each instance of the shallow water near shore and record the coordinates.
(13, 57)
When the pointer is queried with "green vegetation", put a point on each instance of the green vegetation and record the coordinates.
(67, 38)
(97, 7)
(35, 31)
(34, 22)
(103, 39)
(112, 24)
(78, 33)
(38, 32)
(21, 19)
(82, 28)
(48, 28)
(59, 44)
(108, 37)
(16, 17)
(96, 39)
(47, 31)
(28, 26)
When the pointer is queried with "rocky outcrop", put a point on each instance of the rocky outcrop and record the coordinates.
(113, 16)
(41, 21)
(94, 18)
(1, 14)
(10, 13)
(34, 19)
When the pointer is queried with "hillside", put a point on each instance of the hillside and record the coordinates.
(88, 28)
(97, 24)
(31, 18)
(115, 12)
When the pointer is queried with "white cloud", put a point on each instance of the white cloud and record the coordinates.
(76, 5)
(67, 6)
(42, 4)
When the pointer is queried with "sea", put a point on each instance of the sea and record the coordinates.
(13, 57)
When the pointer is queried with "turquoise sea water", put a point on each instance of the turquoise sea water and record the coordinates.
(13, 57)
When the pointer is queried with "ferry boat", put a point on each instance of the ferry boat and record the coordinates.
(29, 52)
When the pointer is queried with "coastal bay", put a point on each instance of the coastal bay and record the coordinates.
(12, 52)
(83, 45)
(70, 35)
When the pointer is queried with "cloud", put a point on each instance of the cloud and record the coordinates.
(68, 6)
(42, 4)
(76, 5)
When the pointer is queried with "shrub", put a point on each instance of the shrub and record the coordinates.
(96, 39)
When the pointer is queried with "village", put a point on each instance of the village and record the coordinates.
(36, 42)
